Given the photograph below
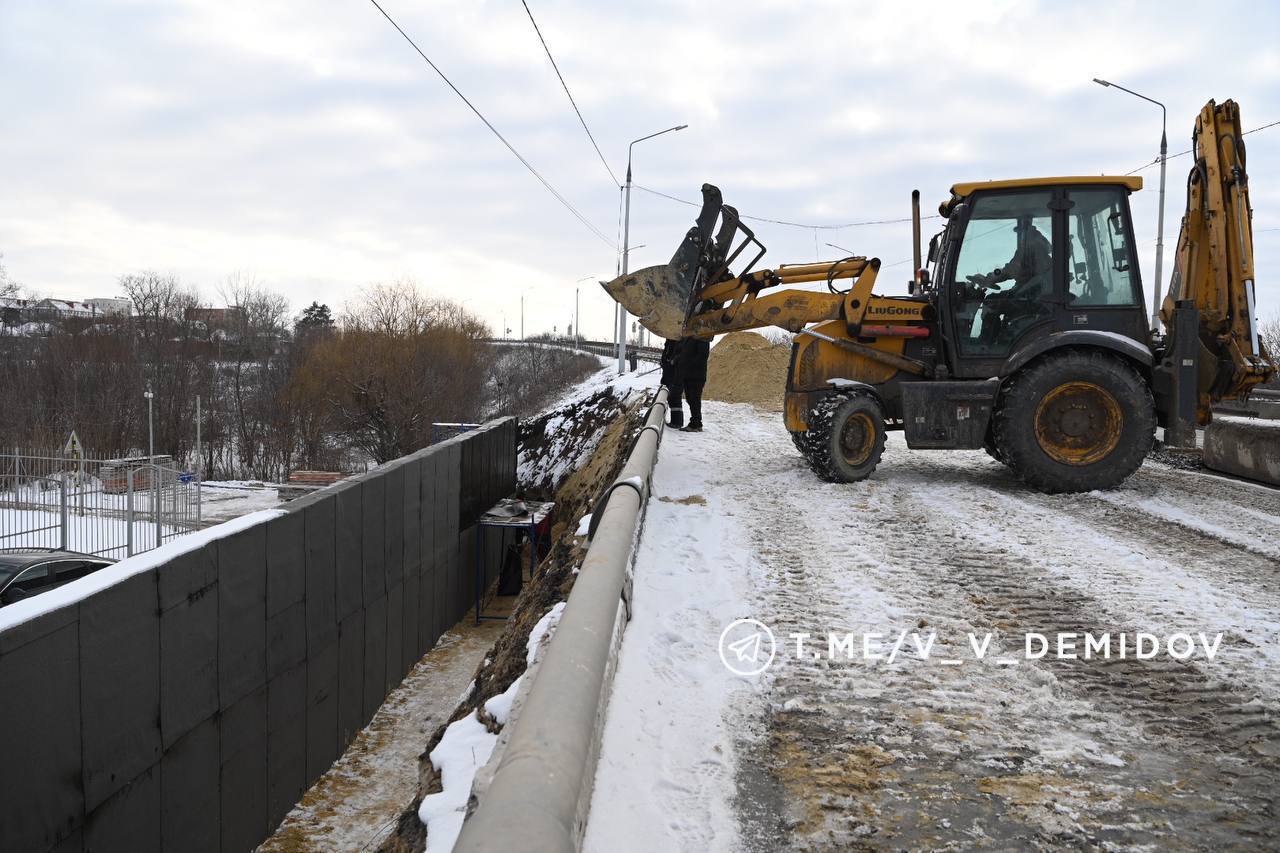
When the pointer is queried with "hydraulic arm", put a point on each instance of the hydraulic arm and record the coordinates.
(1214, 274)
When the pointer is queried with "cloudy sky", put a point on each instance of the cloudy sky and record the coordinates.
(307, 144)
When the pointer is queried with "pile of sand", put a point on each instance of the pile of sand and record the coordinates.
(746, 368)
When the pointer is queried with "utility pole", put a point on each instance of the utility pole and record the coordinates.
(1164, 159)
(626, 242)
(522, 316)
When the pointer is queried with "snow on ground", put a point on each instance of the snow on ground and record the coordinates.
(499, 707)
(231, 498)
(564, 450)
(88, 534)
(464, 749)
(467, 745)
(941, 748)
(102, 526)
(665, 779)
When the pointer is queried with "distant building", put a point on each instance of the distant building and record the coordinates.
(65, 308)
(14, 312)
(11, 310)
(111, 306)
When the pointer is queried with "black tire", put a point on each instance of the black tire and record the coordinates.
(1074, 421)
(846, 437)
(989, 445)
(801, 441)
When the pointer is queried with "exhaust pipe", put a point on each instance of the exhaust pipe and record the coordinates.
(915, 243)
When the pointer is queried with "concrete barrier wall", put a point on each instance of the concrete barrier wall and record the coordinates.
(540, 792)
(1245, 447)
(189, 705)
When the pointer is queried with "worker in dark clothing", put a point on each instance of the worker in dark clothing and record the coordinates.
(671, 379)
(691, 365)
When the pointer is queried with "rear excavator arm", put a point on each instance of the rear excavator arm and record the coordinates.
(1213, 278)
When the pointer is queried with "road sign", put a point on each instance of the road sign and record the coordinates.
(73, 446)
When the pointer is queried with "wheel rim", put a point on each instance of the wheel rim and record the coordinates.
(857, 438)
(1078, 423)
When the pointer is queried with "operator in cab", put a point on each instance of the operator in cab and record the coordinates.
(1030, 268)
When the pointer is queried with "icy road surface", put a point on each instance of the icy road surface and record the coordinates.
(1004, 752)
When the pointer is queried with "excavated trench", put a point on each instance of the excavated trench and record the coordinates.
(568, 455)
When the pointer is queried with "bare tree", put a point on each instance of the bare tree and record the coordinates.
(1269, 331)
(169, 350)
(258, 376)
(524, 378)
(8, 287)
(399, 361)
(275, 395)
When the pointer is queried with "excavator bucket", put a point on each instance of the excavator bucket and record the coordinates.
(656, 296)
(661, 296)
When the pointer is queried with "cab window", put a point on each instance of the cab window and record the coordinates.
(1004, 272)
(1101, 263)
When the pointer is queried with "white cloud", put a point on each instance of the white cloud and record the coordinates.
(307, 142)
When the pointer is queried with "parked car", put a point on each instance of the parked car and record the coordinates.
(24, 573)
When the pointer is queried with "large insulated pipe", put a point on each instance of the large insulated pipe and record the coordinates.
(915, 241)
(541, 789)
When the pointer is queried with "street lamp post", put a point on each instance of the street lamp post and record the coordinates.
(1164, 159)
(577, 319)
(151, 425)
(626, 240)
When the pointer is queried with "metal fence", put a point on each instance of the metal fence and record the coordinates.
(443, 431)
(112, 507)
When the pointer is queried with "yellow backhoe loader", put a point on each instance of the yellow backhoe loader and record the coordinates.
(1026, 336)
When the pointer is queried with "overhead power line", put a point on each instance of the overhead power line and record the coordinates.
(807, 226)
(1156, 162)
(574, 103)
(560, 198)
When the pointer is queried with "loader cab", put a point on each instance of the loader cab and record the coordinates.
(1021, 260)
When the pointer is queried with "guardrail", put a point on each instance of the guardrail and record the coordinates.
(541, 788)
(607, 349)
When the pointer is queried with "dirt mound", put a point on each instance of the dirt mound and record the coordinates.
(747, 368)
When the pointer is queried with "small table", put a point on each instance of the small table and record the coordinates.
(509, 513)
